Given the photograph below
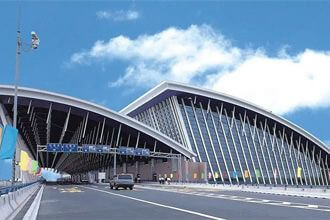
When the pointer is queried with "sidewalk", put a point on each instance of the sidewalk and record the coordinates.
(279, 190)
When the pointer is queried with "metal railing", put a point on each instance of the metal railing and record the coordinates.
(6, 190)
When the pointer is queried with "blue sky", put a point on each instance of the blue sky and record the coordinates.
(111, 52)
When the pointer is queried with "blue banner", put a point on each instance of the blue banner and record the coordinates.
(6, 169)
(130, 151)
(70, 147)
(142, 152)
(104, 148)
(126, 151)
(54, 147)
(8, 143)
(89, 148)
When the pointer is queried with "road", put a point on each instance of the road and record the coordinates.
(99, 202)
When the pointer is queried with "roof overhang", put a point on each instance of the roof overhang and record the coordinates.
(30, 93)
(166, 89)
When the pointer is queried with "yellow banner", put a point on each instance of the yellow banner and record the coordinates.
(246, 173)
(299, 172)
(216, 175)
(24, 163)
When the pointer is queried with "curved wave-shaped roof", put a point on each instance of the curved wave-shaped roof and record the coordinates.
(6, 90)
(149, 98)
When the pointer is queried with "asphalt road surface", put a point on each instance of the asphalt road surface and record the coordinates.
(99, 202)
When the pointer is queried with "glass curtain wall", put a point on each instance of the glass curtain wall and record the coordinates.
(242, 149)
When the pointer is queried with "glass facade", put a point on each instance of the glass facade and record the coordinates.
(162, 117)
(239, 147)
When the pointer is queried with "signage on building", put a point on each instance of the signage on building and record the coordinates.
(133, 151)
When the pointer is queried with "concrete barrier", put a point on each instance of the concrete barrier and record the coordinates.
(5, 208)
(11, 203)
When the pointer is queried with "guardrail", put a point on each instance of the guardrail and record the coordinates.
(8, 189)
(13, 198)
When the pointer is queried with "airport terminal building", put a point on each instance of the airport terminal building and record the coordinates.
(238, 142)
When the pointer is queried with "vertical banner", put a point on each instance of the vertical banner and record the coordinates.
(34, 166)
(6, 169)
(246, 173)
(299, 172)
(24, 161)
(275, 173)
(257, 173)
(30, 166)
(195, 175)
(224, 174)
(8, 143)
(216, 175)
(39, 171)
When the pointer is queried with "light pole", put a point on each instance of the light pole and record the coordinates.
(18, 52)
(34, 45)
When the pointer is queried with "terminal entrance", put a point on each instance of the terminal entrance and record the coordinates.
(89, 163)
(94, 163)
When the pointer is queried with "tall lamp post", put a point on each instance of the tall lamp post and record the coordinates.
(34, 45)
(18, 52)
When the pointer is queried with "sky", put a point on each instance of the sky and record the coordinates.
(275, 54)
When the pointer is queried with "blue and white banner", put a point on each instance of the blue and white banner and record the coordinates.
(130, 151)
(54, 147)
(70, 147)
(8, 143)
(6, 169)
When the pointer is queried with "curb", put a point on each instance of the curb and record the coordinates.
(32, 213)
(242, 190)
(11, 203)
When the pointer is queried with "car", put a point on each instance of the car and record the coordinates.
(124, 180)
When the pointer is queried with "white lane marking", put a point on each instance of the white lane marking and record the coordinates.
(200, 194)
(313, 206)
(158, 204)
(32, 212)
(258, 200)
(248, 198)
(210, 194)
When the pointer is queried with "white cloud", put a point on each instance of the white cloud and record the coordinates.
(120, 15)
(280, 84)
(201, 56)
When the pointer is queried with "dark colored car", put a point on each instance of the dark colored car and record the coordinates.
(122, 180)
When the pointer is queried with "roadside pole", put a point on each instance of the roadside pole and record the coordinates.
(115, 163)
(18, 52)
